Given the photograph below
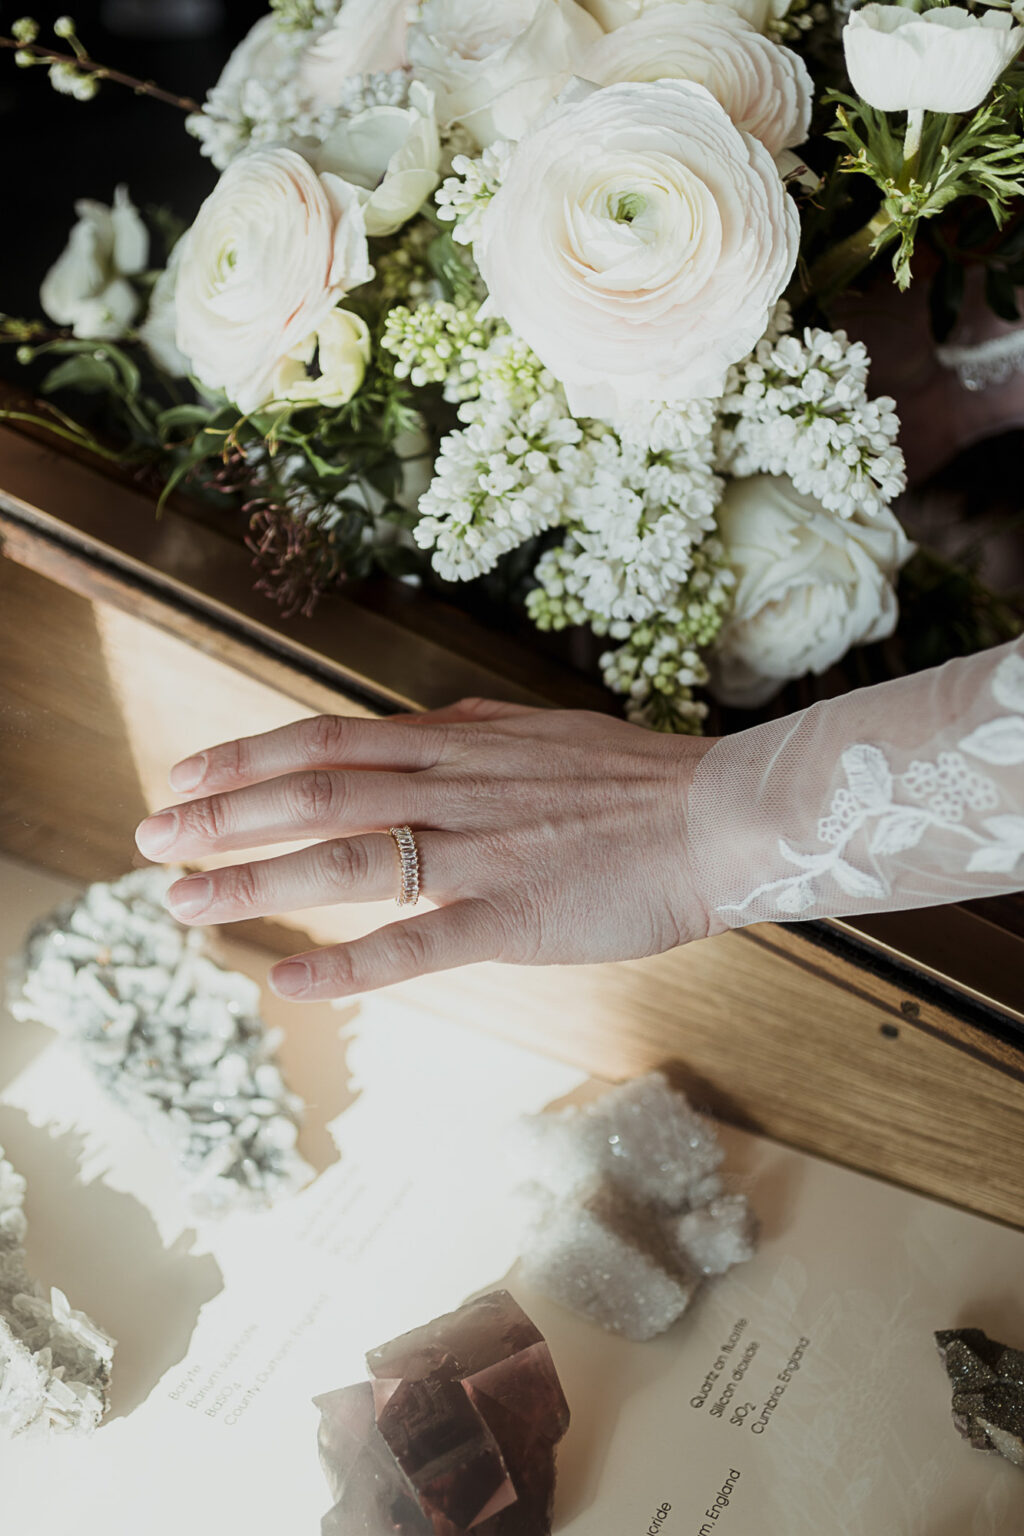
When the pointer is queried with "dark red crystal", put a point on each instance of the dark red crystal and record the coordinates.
(456, 1432)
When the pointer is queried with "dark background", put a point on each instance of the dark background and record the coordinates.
(56, 149)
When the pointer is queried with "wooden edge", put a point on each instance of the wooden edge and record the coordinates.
(955, 948)
(988, 1035)
(349, 644)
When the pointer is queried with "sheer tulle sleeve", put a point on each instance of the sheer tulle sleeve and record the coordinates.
(904, 795)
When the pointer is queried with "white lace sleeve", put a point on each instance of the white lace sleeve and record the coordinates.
(904, 795)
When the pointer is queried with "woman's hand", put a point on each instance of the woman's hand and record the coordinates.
(544, 837)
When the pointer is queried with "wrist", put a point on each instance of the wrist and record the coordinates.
(697, 921)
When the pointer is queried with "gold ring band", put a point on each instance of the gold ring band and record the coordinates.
(409, 865)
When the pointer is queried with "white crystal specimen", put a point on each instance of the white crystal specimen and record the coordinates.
(173, 1037)
(715, 1236)
(627, 1211)
(54, 1362)
(642, 1137)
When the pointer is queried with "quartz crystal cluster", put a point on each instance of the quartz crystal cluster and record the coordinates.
(54, 1362)
(627, 1212)
(173, 1036)
(988, 1390)
(455, 1432)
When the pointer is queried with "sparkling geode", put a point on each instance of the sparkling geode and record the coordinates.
(173, 1037)
(988, 1390)
(627, 1214)
(455, 1432)
(54, 1362)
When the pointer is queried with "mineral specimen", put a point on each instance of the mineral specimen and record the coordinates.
(54, 1362)
(628, 1214)
(174, 1037)
(988, 1390)
(456, 1431)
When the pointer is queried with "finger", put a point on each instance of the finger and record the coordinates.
(461, 934)
(345, 869)
(314, 804)
(325, 741)
(465, 712)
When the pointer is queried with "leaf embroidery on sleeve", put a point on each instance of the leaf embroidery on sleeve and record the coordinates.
(939, 794)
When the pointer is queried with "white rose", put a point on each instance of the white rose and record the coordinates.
(638, 243)
(368, 37)
(273, 249)
(809, 585)
(392, 152)
(944, 60)
(86, 287)
(341, 346)
(619, 13)
(496, 67)
(765, 88)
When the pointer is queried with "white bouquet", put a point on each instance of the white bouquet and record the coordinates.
(510, 284)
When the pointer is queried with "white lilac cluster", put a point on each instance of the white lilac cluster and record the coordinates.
(54, 1362)
(175, 1038)
(659, 662)
(463, 197)
(505, 476)
(798, 406)
(439, 343)
(635, 520)
(657, 670)
(244, 111)
(523, 464)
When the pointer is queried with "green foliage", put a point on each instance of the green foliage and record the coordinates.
(980, 156)
(975, 239)
(948, 610)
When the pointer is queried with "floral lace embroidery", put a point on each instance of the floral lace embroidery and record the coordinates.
(895, 812)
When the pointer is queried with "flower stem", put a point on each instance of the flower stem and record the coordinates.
(912, 142)
(838, 267)
(101, 72)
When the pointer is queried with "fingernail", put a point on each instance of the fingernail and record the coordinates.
(156, 833)
(291, 978)
(186, 775)
(190, 897)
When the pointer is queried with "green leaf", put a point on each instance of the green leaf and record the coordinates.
(91, 374)
(396, 560)
(189, 415)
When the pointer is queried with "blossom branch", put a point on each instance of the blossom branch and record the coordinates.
(81, 64)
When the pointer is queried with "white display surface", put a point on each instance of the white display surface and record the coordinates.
(227, 1332)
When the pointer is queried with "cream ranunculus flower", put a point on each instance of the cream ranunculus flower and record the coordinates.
(809, 585)
(341, 347)
(944, 60)
(367, 37)
(638, 243)
(392, 152)
(495, 68)
(619, 13)
(273, 249)
(765, 88)
(87, 285)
